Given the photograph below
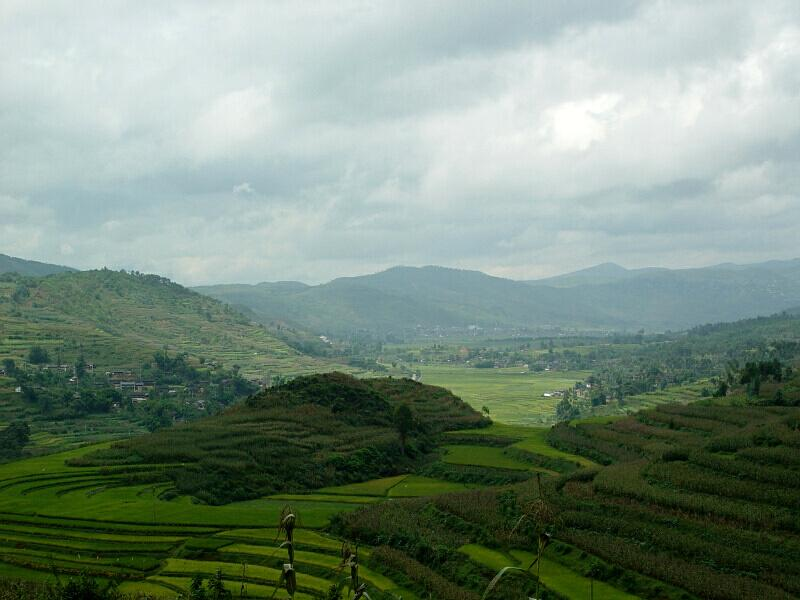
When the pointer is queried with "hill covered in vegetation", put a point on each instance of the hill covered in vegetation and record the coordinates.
(679, 502)
(117, 319)
(314, 431)
(408, 300)
(32, 268)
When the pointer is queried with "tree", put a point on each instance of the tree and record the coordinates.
(196, 589)
(10, 366)
(80, 366)
(13, 439)
(404, 422)
(334, 593)
(598, 399)
(38, 356)
(216, 587)
(565, 409)
(29, 394)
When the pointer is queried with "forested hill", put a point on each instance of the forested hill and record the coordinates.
(405, 299)
(11, 264)
(314, 431)
(117, 319)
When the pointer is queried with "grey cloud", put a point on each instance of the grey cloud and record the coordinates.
(520, 138)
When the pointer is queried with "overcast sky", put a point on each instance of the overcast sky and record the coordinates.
(243, 142)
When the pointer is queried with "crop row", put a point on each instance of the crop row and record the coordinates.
(695, 543)
(693, 478)
(694, 576)
(625, 480)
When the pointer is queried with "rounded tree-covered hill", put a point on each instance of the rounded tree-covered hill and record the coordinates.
(315, 431)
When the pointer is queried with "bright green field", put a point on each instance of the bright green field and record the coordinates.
(414, 486)
(400, 486)
(482, 456)
(53, 516)
(513, 396)
(531, 439)
(554, 575)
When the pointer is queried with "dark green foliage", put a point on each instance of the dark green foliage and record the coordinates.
(38, 355)
(424, 578)
(472, 474)
(333, 593)
(82, 588)
(196, 589)
(761, 371)
(308, 433)
(216, 587)
(10, 366)
(565, 410)
(404, 422)
(13, 439)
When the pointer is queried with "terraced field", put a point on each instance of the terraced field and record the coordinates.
(99, 521)
(703, 496)
(102, 521)
(400, 486)
(151, 544)
(527, 439)
(513, 396)
(553, 575)
(119, 320)
(54, 435)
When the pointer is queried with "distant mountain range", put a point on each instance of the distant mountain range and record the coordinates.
(32, 268)
(408, 300)
(608, 296)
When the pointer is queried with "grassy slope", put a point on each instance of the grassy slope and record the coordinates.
(554, 575)
(513, 396)
(120, 320)
(529, 439)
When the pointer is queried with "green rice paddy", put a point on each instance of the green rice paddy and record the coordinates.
(138, 538)
(554, 575)
(513, 396)
(482, 456)
(72, 520)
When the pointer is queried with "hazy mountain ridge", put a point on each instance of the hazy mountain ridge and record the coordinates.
(31, 268)
(607, 296)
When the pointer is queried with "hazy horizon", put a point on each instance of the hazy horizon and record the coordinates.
(246, 142)
(223, 282)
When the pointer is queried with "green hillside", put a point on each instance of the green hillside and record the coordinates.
(118, 319)
(11, 264)
(683, 501)
(405, 300)
(315, 431)
(409, 301)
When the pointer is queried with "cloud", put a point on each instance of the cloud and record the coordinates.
(243, 188)
(306, 140)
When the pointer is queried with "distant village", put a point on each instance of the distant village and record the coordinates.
(133, 389)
